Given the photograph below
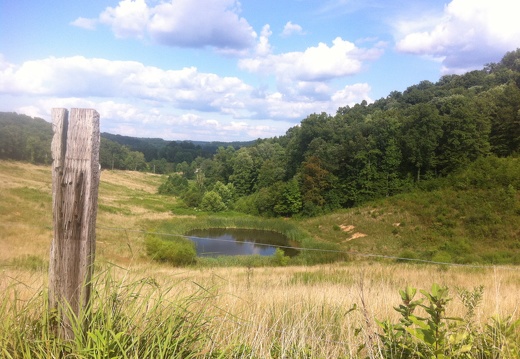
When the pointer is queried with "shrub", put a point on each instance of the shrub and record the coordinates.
(175, 185)
(407, 255)
(226, 192)
(193, 196)
(248, 205)
(280, 258)
(442, 257)
(179, 251)
(489, 172)
(212, 202)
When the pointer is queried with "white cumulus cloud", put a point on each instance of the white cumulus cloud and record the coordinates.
(263, 48)
(85, 23)
(351, 95)
(469, 34)
(319, 63)
(182, 23)
(291, 29)
(197, 23)
(147, 101)
(94, 77)
(128, 19)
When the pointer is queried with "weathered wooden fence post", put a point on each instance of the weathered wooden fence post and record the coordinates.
(75, 182)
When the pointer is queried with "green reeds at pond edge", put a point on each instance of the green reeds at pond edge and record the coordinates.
(311, 251)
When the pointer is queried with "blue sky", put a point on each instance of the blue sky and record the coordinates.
(227, 70)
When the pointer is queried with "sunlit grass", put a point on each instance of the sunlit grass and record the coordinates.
(287, 311)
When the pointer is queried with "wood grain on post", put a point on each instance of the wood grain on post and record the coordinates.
(75, 182)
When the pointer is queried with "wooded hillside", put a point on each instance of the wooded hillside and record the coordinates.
(368, 151)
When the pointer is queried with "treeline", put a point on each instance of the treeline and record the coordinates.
(173, 152)
(23, 138)
(366, 151)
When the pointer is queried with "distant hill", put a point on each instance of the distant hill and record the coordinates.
(25, 138)
(154, 148)
(367, 152)
(150, 147)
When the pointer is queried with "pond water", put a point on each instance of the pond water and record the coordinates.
(214, 242)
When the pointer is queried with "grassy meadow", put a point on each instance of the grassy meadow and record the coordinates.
(142, 308)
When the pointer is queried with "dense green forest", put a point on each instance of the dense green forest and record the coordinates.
(367, 151)
(364, 152)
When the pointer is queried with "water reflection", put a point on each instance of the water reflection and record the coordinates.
(236, 241)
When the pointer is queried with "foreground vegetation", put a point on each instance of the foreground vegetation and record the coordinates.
(334, 311)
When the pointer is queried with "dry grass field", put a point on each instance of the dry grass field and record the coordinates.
(126, 200)
(324, 311)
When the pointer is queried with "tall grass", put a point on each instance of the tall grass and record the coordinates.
(127, 319)
(328, 311)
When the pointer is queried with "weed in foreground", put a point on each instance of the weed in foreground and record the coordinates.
(435, 335)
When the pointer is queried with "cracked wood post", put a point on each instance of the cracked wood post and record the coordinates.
(75, 182)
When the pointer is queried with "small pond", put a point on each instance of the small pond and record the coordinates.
(214, 242)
